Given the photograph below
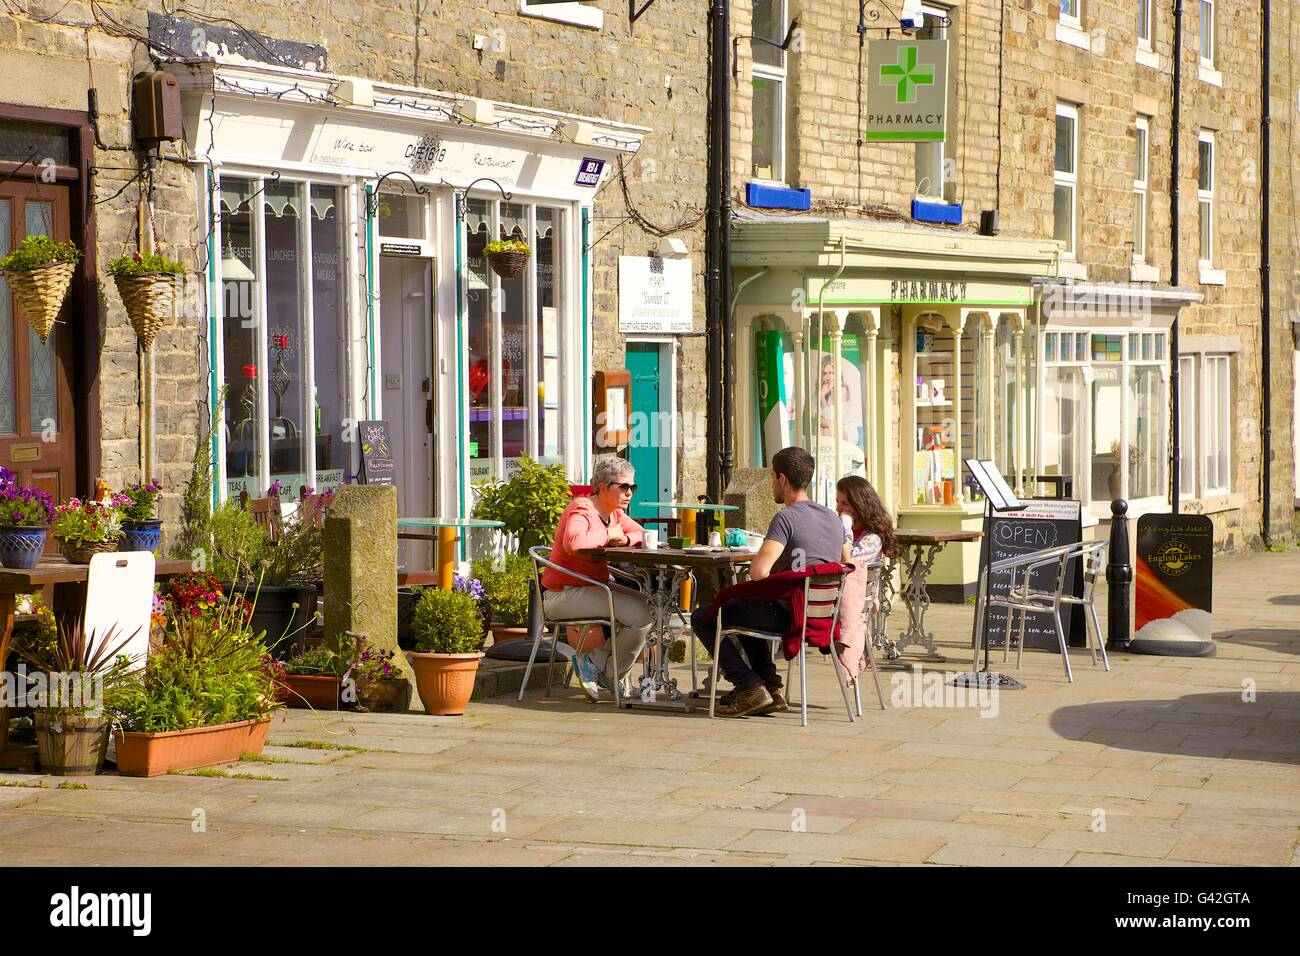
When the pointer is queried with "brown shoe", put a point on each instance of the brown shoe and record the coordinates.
(779, 702)
(748, 703)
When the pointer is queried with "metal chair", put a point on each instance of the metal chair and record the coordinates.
(1026, 599)
(821, 596)
(875, 582)
(539, 554)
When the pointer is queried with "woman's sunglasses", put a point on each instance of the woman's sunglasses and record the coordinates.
(624, 487)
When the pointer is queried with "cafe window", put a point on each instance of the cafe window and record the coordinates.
(514, 334)
(282, 335)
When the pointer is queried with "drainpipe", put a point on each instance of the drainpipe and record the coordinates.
(1265, 277)
(718, 252)
(814, 394)
(1175, 141)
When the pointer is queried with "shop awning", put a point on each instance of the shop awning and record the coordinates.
(1110, 304)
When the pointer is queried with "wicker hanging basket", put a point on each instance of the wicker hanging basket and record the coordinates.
(508, 265)
(150, 300)
(40, 293)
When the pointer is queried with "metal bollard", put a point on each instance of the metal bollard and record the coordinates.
(1119, 578)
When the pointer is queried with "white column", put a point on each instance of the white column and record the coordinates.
(837, 398)
(796, 336)
(871, 321)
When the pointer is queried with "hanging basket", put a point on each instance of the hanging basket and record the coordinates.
(150, 300)
(40, 293)
(508, 265)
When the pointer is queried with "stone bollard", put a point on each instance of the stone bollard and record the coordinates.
(1119, 578)
(361, 567)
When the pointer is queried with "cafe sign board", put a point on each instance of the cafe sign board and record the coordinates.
(907, 91)
(654, 294)
(1174, 585)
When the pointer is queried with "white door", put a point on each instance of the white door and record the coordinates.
(406, 380)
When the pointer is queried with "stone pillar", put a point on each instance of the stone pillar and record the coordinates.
(361, 567)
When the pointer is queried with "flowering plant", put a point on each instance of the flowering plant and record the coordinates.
(276, 489)
(373, 665)
(78, 522)
(140, 500)
(471, 586)
(24, 507)
(158, 612)
(198, 593)
(6, 477)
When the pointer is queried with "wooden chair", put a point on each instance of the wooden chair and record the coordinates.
(266, 512)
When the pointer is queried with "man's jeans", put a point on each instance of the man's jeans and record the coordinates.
(756, 614)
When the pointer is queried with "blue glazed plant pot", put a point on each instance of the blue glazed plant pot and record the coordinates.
(21, 547)
(141, 535)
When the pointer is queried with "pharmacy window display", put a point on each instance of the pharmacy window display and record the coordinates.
(282, 335)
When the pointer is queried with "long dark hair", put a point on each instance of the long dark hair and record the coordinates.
(868, 512)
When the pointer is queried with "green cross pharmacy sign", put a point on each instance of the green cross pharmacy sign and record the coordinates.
(907, 91)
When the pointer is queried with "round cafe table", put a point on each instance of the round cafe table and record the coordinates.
(447, 539)
(688, 511)
(917, 551)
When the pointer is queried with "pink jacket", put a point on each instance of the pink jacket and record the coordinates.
(855, 612)
(581, 526)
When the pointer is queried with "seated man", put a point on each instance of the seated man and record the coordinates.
(802, 534)
(598, 520)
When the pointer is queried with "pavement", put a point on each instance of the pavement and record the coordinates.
(1162, 761)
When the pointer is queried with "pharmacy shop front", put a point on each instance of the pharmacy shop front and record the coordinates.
(348, 279)
(890, 352)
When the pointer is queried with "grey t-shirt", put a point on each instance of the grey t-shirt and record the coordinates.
(811, 533)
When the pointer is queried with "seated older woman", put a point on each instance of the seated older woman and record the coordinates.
(595, 521)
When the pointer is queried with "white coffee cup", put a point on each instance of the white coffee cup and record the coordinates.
(651, 542)
(715, 539)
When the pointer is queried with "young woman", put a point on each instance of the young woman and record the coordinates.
(873, 533)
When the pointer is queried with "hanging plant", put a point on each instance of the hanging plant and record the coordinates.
(39, 272)
(507, 257)
(147, 284)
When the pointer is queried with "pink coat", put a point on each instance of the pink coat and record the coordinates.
(851, 643)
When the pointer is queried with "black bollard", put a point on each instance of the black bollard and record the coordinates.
(1119, 578)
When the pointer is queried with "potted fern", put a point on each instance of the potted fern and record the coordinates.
(39, 272)
(448, 641)
(147, 284)
(507, 257)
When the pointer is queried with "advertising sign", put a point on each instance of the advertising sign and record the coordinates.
(1173, 588)
(377, 467)
(907, 91)
(654, 294)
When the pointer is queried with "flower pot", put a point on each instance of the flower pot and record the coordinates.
(21, 547)
(71, 745)
(501, 633)
(309, 690)
(141, 535)
(151, 755)
(508, 265)
(445, 681)
(384, 696)
(83, 551)
(40, 293)
(150, 300)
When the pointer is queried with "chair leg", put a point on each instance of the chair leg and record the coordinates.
(875, 673)
(857, 695)
(1060, 639)
(1006, 640)
(695, 684)
(1096, 630)
(789, 673)
(713, 676)
(613, 656)
(1020, 652)
(844, 687)
(532, 656)
(550, 665)
(803, 684)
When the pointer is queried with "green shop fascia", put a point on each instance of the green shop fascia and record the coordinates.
(912, 343)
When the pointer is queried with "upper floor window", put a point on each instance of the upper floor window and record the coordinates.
(1205, 197)
(771, 92)
(1065, 198)
(1140, 188)
(1207, 32)
(1144, 30)
(575, 13)
(931, 166)
(1072, 13)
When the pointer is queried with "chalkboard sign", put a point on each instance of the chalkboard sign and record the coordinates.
(1043, 523)
(377, 466)
(1174, 585)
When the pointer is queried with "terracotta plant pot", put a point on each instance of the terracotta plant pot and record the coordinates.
(501, 633)
(151, 755)
(319, 693)
(71, 745)
(445, 681)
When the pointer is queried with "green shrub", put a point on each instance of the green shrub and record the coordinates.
(447, 622)
(507, 245)
(529, 504)
(36, 251)
(237, 543)
(506, 590)
(139, 265)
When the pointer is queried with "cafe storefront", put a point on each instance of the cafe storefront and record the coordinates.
(346, 226)
(891, 352)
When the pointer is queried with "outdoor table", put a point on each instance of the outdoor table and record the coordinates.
(688, 511)
(661, 572)
(69, 581)
(917, 551)
(447, 539)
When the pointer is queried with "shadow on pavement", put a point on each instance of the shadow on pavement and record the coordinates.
(1284, 640)
(1266, 729)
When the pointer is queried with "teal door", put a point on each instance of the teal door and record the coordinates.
(650, 424)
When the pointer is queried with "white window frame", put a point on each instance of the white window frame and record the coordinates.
(1146, 24)
(781, 75)
(1189, 439)
(1070, 179)
(1205, 197)
(575, 14)
(1215, 396)
(1072, 19)
(938, 192)
(1069, 28)
(1208, 61)
(1141, 184)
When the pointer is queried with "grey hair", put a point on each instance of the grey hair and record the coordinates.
(609, 469)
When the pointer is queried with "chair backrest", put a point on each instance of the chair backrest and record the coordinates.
(822, 594)
(266, 512)
(119, 594)
(541, 558)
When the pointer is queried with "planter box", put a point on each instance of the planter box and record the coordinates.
(319, 693)
(151, 755)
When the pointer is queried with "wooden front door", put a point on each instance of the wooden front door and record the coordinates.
(37, 418)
